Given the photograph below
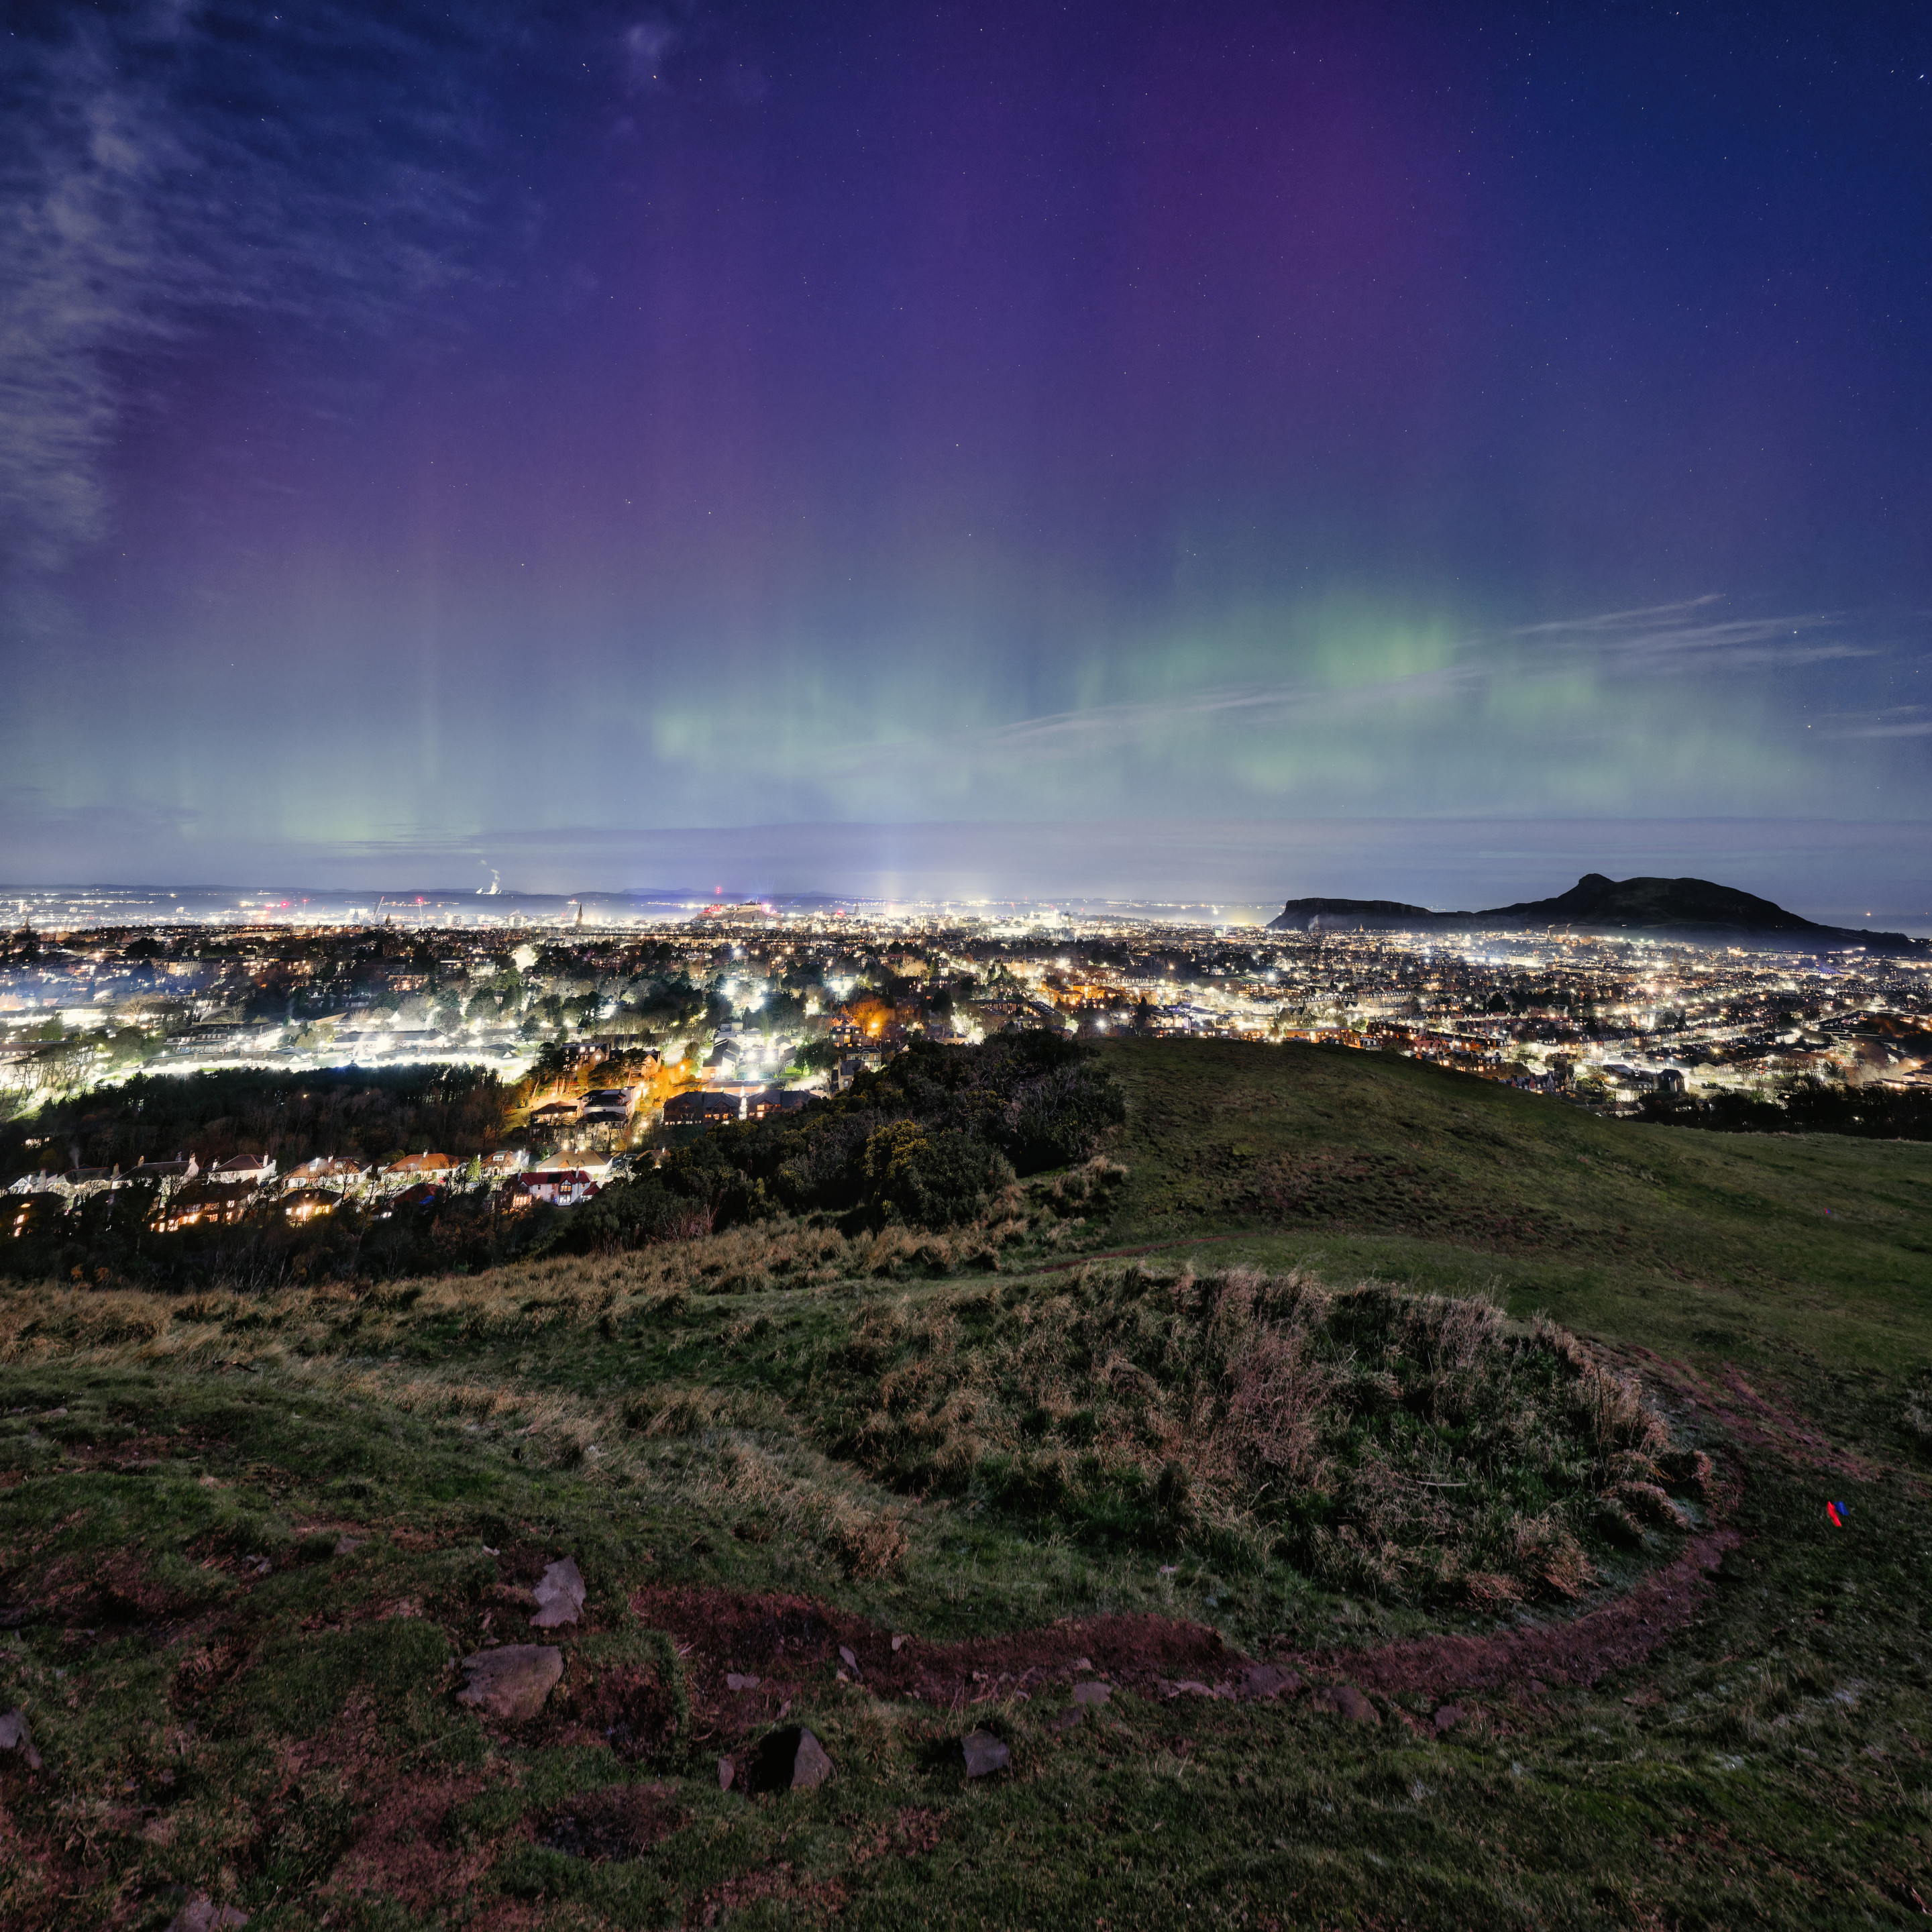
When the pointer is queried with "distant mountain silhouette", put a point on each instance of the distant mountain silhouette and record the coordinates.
(1681, 908)
(1594, 900)
(1306, 909)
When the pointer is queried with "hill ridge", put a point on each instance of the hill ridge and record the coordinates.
(1686, 907)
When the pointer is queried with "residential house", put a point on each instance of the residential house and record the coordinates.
(433, 1169)
(553, 1186)
(248, 1170)
(609, 1106)
(599, 1166)
(703, 1108)
(83, 1181)
(773, 1100)
(183, 1168)
(206, 1203)
(327, 1170)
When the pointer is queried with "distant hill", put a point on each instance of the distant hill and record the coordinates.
(1677, 908)
(1648, 904)
(1348, 912)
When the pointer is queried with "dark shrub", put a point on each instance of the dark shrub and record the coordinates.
(933, 1179)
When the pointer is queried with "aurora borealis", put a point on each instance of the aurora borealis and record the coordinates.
(1412, 450)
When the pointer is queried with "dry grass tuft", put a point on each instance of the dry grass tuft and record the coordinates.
(1395, 1444)
(864, 1541)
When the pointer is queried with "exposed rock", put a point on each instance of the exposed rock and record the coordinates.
(14, 1736)
(1091, 1693)
(791, 1759)
(985, 1753)
(1346, 1701)
(346, 1545)
(1447, 1717)
(1269, 1680)
(512, 1681)
(727, 1771)
(849, 1658)
(897, 1641)
(201, 1914)
(559, 1595)
(812, 1767)
(740, 1680)
(1190, 1687)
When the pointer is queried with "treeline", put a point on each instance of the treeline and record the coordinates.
(370, 1114)
(1882, 1113)
(932, 1138)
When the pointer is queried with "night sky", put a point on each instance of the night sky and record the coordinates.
(1218, 451)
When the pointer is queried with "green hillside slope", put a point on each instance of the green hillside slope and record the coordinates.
(1358, 1163)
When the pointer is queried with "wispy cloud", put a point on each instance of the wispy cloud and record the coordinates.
(1688, 638)
(1896, 721)
(1110, 727)
(178, 159)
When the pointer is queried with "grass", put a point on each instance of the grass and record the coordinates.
(243, 1542)
(1353, 1164)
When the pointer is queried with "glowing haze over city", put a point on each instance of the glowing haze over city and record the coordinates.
(1151, 453)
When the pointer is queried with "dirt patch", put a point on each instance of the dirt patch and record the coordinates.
(206, 1668)
(38, 1877)
(92, 1590)
(783, 1641)
(915, 1831)
(421, 1542)
(1750, 1418)
(404, 1851)
(620, 1821)
(808, 1897)
(402, 1848)
(626, 1706)
(140, 1455)
(1579, 1650)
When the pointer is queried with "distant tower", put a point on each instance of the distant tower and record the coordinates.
(579, 920)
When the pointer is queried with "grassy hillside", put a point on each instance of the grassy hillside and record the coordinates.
(1608, 1661)
(1357, 1163)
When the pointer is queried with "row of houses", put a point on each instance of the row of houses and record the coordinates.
(729, 1101)
(180, 1193)
(255, 1172)
(503, 1180)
